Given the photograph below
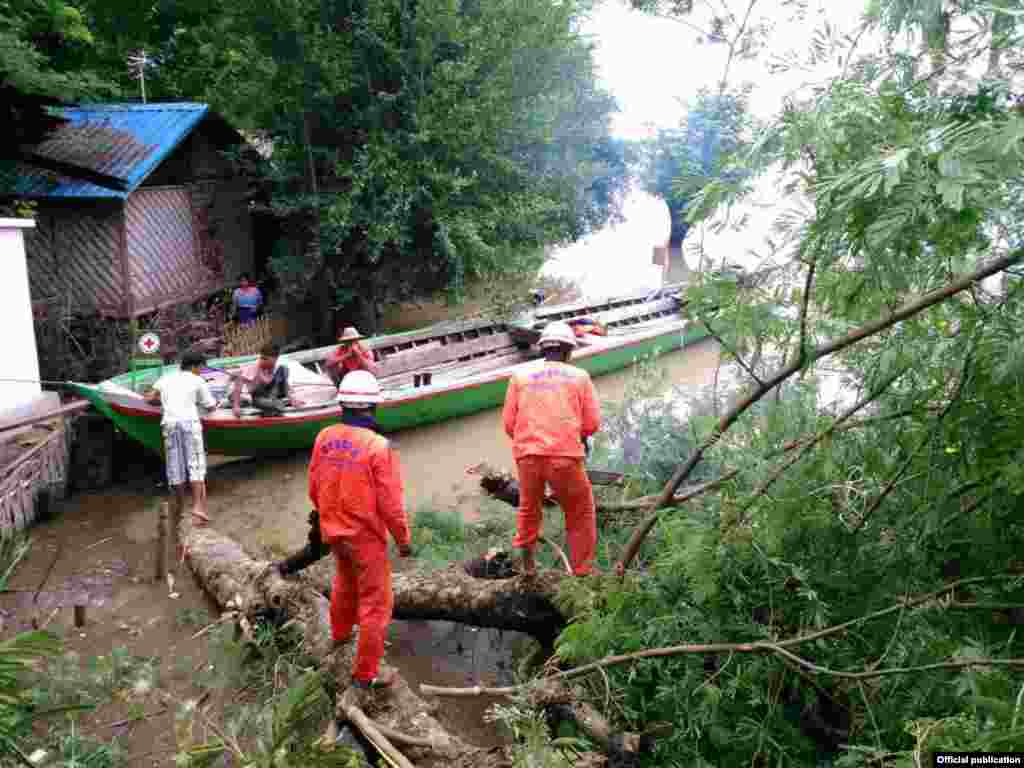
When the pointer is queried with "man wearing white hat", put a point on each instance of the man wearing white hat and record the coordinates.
(349, 356)
(355, 484)
(550, 410)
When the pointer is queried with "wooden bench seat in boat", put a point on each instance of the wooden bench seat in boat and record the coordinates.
(397, 369)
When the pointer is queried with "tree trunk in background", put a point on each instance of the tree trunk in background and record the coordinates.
(365, 305)
(677, 270)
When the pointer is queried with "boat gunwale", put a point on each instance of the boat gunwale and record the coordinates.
(130, 378)
(115, 400)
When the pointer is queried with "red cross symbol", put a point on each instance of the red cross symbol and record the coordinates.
(149, 343)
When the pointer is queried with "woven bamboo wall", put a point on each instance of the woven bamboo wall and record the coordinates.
(73, 254)
(162, 253)
(41, 468)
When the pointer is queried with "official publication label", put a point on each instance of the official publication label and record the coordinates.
(978, 758)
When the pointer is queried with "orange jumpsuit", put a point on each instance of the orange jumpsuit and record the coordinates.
(548, 411)
(355, 482)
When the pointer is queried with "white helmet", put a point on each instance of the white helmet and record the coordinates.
(359, 389)
(557, 333)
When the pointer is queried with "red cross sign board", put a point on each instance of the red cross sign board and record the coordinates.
(149, 343)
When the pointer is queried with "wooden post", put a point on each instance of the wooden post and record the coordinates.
(177, 507)
(161, 543)
(79, 615)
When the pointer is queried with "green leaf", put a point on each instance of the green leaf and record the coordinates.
(952, 193)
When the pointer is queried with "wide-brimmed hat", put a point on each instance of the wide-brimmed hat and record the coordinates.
(350, 334)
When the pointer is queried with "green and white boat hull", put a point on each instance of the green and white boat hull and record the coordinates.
(447, 397)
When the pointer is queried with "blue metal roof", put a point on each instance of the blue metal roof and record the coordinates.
(122, 142)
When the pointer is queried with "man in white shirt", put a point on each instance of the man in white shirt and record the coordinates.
(179, 396)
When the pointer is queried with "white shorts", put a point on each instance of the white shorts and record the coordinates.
(185, 452)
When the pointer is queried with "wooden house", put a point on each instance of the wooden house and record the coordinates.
(137, 208)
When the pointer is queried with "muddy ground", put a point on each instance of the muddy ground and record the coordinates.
(98, 550)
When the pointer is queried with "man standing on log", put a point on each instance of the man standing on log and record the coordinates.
(355, 483)
(550, 412)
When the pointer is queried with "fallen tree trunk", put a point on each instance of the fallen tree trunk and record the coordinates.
(254, 588)
(505, 487)
(519, 604)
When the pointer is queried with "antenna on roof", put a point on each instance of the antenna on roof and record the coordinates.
(138, 62)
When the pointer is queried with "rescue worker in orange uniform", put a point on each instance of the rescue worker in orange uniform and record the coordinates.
(355, 483)
(551, 409)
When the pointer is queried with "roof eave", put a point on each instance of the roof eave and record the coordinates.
(167, 150)
(76, 172)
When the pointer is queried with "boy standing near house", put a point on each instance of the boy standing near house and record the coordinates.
(179, 395)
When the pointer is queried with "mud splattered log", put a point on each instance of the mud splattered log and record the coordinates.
(518, 604)
(234, 579)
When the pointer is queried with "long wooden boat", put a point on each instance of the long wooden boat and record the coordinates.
(469, 364)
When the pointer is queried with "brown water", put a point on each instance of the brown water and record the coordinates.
(265, 503)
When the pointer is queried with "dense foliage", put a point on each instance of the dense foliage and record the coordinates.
(416, 144)
(893, 509)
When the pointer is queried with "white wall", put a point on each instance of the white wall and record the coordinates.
(19, 358)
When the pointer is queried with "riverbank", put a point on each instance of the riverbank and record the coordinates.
(98, 550)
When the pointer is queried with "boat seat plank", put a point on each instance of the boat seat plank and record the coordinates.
(428, 358)
(638, 310)
(491, 363)
(461, 370)
(384, 344)
(433, 332)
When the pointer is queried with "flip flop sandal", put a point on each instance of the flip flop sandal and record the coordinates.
(377, 683)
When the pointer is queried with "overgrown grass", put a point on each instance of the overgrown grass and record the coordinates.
(72, 685)
(192, 617)
(441, 537)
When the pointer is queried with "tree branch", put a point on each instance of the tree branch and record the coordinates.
(732, 48)
(897, 670)
(908, 309)
(699, 490)
(756, 646)
(805, 300)
(371, 731)
(732, 352)
(877, 502)
(770, 480)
